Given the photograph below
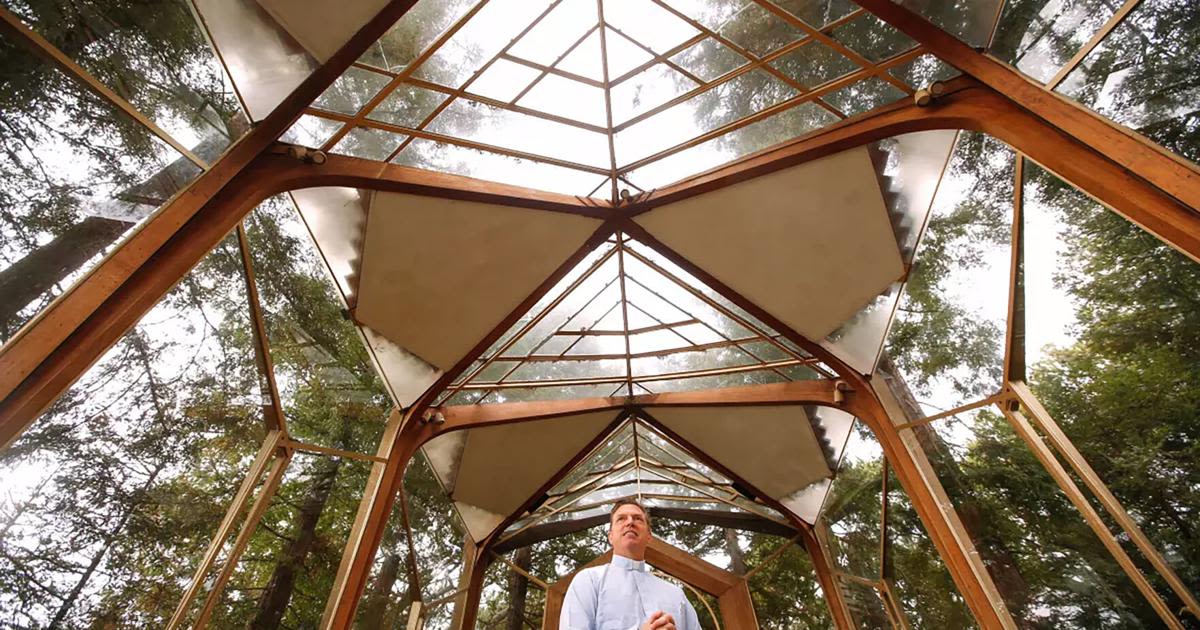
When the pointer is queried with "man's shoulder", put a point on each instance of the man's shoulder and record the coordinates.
(588, 575)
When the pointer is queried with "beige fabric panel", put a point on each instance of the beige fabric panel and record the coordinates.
(438, 274)
(771, 447)
(811, 244)
(504, 465)
(322, 26)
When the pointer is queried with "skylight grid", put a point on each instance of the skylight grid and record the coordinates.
(690, 85)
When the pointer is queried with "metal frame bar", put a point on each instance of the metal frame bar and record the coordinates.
(1063, 445)
(1026, 432)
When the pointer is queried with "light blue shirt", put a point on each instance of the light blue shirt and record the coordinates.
(621, 595)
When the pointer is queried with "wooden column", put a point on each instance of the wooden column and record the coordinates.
(823, 567)
(737, 608)
(470, 582)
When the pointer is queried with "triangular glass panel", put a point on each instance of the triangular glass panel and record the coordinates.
(648, 23)
(586, 60)
(550, 38)
(622, 320)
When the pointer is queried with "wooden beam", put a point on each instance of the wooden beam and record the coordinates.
(814, 392)
(737, 608)
(676, 562)
(55, 368)
(470, 582)
(27, 361)
(966, 104)
(1169, 173)
(823, 567)
(1014, 341)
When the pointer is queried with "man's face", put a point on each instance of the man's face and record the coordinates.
(629, 532)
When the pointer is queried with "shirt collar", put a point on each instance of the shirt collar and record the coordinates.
(628, 564)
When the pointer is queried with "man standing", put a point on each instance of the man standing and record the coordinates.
(623, 594)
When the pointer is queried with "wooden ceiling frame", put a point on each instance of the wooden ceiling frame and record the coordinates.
(1136, 178)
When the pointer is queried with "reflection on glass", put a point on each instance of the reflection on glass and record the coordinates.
(1048, 565)
(112, 495)
(1138, 76)
(948, 335)
(264, 62)
(407, 106)
(818, 13)
(814, 64)
(331, 395)
(758, 30)
(864, 96)
(873, 38)
(159, 61)
(412, 33)
(351, 91)
(369, 143)
(709, 59)
(1039, 36)
(971, 21)
(76, 176)
(484, 35)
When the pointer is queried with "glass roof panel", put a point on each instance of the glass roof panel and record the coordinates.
(528, 134)
(709, 59)
(586, 60)
(417, 29)
(814, 64)
(648, 23)
(552, 36)
(351, 91)
(818, 13)
(364, 142)
(690, 85)
(407, 106)
(758, 30)
(1040, 36)
(570, 99)
(872, 38)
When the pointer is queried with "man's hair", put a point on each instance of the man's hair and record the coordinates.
(628, 501)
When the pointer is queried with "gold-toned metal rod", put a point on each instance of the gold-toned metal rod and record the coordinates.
(253, 474)
(1063, 444)
(1043, 453)
(261, 502)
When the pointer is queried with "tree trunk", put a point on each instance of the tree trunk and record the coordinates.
(518, 587)
(50, 264)
(274, 600)
(737, 559)
(69, 601)
(376, 601)
(999, 559)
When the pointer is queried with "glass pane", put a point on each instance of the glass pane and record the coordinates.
(709, 59)
(372, 144)
(923, 71)
(412, 33)
(311, 131)
(1040, 36)
(437, 538)
(407, 106)
(648, 23)
(331, 395)
(1103, 314)
(758, 30)
(287, 571)
(499, 127)
(852, 509)
(864, 96)
(157, 60)
(646, 90)
(814, 64)
(785, 590)
(1138, 77)
(969, 20)
(111, 496)
(948, 336)
(76, 176)
(920, 581)
(818, 13)
(484, 35)
(1048, 565)
(264, 62)
(351, 91)
(873, 38)
(556, 32)
(866, 606)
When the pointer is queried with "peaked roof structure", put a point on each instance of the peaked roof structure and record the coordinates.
(607, 248)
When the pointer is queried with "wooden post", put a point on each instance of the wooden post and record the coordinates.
(823, 566)
(737, 608)
(470, 582)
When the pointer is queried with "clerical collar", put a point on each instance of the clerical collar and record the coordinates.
(629, 564)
